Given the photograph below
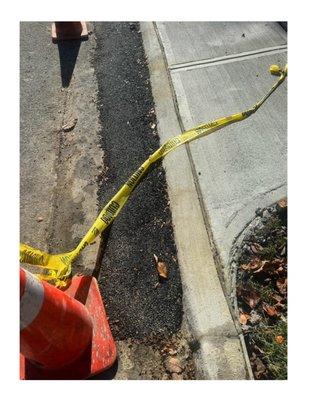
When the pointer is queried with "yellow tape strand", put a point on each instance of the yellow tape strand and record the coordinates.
(59, 266)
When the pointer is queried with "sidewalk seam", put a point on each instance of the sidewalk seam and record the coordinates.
(209, 62)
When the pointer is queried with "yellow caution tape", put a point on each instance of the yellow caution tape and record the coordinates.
(59, 266)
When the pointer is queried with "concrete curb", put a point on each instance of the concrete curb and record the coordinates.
(219, 352)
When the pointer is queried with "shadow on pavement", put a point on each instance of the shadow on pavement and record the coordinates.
(68, 52)
(107, 375)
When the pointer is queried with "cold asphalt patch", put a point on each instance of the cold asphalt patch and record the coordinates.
(137, 307)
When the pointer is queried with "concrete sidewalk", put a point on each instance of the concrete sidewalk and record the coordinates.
(201, 71)
(225, 72)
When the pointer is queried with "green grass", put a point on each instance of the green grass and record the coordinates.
(275, 354)
(264, 291)
(269, 252)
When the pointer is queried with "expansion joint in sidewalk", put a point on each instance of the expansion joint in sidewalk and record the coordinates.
(209, 62)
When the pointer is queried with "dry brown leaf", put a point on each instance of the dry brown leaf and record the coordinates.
(253, 265)
(249, 296)
(262, 267)
(282, 284)
(279, 271)
(270, 310)
(256, 248)
(243, 318)
(273, 267)
(279, 339)
(161, 267)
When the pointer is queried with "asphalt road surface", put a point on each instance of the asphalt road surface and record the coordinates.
(138, 305)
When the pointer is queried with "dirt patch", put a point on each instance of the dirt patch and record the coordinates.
(157, 357)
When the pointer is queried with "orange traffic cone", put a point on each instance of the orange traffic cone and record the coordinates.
(69, 31)
(63, 334)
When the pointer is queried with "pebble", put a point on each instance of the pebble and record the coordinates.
(173, 365)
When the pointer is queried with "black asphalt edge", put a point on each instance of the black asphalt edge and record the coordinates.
(138, 305)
